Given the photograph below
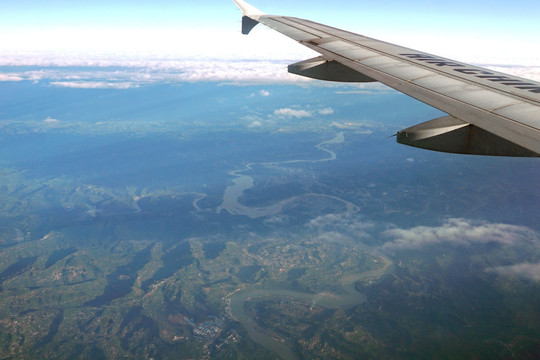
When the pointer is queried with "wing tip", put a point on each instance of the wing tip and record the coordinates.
(248, 9)
(250, 15)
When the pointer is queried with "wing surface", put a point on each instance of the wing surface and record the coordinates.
(489, 113)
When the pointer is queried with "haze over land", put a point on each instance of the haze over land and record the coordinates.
(192, 206)
(134, 213)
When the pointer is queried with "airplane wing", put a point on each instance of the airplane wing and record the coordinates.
(489, 113)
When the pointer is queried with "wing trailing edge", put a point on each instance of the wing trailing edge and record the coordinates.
(321, 69)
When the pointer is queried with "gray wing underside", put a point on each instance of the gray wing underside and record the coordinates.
(489, 113)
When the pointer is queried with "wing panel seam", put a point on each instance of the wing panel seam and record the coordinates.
(416, 64)
(410, 82)
(476, 108)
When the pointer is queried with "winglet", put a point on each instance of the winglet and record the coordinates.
(248, 10)
(250, 15)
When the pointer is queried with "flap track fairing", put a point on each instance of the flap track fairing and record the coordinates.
(321, 69)
(452, 135)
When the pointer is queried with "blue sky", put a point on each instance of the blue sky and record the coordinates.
(170, 12)
(471, 31)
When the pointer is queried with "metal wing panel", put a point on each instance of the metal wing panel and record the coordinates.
(526, 113)
(291, 30)
(408, 72)
(380, 62)
(348, 50)
(484, 99)
(470, 94)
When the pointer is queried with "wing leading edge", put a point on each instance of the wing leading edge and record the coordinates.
(489, 113)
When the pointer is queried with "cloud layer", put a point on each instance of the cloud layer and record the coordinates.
(529, 271)
(348, 222)
(94, 84)
(127, 73)
(458, 232)
(292, 113)
(72, 68)
(300, 113)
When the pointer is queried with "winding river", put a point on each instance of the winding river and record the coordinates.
(350, 297)
(243, 182)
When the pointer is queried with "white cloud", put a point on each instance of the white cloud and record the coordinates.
(94, 84)
(140, 70)
(354, 125)
(458, 232)
(528, 72)
(526, 270)
(288, 112)
(254, 124)
(276, 220)
(365, 89)
(335, 237)
(326, 111)
(328, 219)
(50, 120)
(10, 77)
(348, 222)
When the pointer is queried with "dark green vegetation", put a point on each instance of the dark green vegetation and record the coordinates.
(111, 244)
(424, 310)
(17, 268)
